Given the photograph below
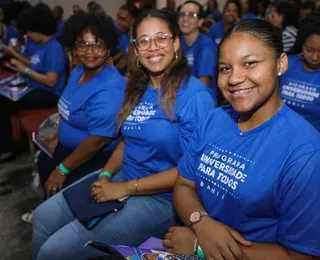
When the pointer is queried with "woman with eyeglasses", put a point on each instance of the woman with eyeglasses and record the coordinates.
(162, 105)
(86, 135)
(199, 49)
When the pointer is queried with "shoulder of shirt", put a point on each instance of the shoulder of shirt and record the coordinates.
(205, 41)
(112, 77)
(217, 118)
(300, 129)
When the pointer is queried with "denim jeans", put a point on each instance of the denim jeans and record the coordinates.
(58, 235)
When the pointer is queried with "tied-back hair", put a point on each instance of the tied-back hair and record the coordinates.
(175, 74)
(262, 30)
(308, 27)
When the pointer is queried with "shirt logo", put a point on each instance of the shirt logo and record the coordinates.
(35, 59)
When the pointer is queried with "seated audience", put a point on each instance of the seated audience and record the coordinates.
(58, 14)
(285, 17)
(162, 105)
(125, 18)
(45, 71)
(199, 49)
(231, 13)
(306, 8)
(212, 11)
(248, 183)
(249, 9)
(300, 85)
(29, 47)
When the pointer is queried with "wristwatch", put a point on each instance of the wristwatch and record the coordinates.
(196, 216)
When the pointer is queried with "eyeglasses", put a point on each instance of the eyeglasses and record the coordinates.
(188, 14)
(96, 46)
(162, 40)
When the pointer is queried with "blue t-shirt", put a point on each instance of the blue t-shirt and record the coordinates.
(154, 143)
(11, 33)
(59, 32)
(49, 57)
(124, 41)
(90, 109)
(29, 48)
(216, 32)
(300, 89)
(249, 16)
(202, 58)
(264, 183)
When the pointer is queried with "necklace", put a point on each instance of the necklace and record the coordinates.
(279, 108)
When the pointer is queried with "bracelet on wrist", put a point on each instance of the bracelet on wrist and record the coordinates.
(27, 71)
(105, 173)
(200, 252)
(63, 169)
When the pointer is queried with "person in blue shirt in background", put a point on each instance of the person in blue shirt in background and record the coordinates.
(125, 18)
(58, 14)
(249, 9)
(163, 103)
(248, 184)
(212, 11)
(231, 13)
(29, 46)
(200, 50)
(300, 85)
(46, 72)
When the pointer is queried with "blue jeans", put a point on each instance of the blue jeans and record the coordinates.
(58, 235)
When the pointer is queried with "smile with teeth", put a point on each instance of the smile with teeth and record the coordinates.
(242, 91)
(154, 59)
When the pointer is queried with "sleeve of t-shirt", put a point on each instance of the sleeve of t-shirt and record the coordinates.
(212, 32)
(6, 37)
(101, 115)
(192, 112)
(187, 163)
(207, 60)
(57, 62)
(299, 203)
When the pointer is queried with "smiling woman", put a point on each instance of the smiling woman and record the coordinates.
(268, 203)
(161, 108)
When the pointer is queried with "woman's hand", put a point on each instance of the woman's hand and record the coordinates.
(9, 49)
(106, 191)
(51, 140)
(219, 241)
(18, 65)
(180, 240)
(54, 183)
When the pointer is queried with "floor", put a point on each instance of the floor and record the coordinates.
(16, 197)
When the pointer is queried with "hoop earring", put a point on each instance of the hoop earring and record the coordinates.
(176, 56)
(138, 63)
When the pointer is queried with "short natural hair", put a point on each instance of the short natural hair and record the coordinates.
(40, 20)
(101, 26)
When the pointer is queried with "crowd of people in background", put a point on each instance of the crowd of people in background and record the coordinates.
(206, 118)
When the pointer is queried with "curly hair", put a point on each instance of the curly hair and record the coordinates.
(100, 25)
(177, 72)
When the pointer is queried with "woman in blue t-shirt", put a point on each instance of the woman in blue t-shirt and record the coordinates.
(45, 71)
(300, 85)
(162, 105)
(231, 13)
(248, 184)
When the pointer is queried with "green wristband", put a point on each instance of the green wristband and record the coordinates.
(108, 174)
(63, 169)
(200, 253)
(27, 71)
